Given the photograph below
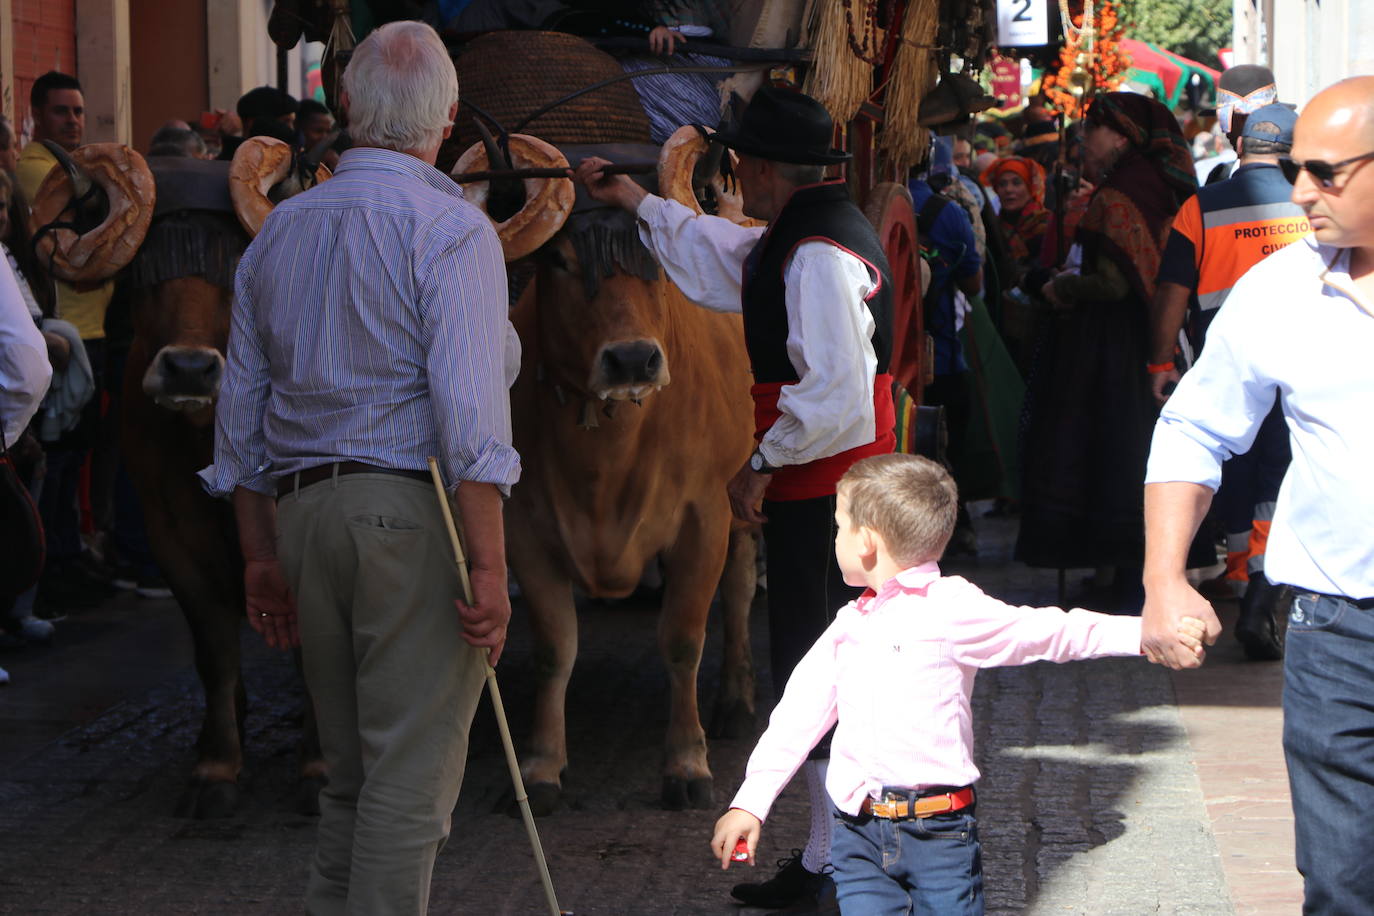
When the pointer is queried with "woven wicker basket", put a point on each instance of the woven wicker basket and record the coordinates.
(510, 75)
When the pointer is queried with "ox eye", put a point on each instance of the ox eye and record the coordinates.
(555, 259)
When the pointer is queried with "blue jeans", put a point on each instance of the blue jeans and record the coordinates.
(929, 866)
(1328, 740)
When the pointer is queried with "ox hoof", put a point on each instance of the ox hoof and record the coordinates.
(679, 794)
(308, 795)
(544, 798)
(209, 800)
(731, 721)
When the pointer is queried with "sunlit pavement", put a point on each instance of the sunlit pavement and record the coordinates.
(1110, 787)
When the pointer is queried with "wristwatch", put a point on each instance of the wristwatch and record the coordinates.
(759, 465)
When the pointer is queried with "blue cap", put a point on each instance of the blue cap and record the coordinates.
(1273, 122)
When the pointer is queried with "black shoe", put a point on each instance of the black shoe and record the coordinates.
(791, 884)
(152, 586)
(87, 570)
(1263, 621)
(825, 903)
(124, 577)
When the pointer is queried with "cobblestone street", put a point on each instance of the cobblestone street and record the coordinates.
(1110, 787)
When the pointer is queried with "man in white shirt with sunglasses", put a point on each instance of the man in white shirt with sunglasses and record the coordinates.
(1300, 325)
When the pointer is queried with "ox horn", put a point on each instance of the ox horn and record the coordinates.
(677, 164)
(505, 196)
(99, 252)
(259, 176)
(548, 201)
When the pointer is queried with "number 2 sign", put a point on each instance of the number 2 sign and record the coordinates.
(1022, 23)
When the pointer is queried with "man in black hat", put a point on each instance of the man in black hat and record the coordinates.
(1241, 91)
(815, 293)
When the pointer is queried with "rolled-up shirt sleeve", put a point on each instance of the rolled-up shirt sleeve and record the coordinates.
(1218, 406)
(466, 325)
(703, 255)
(240, 446)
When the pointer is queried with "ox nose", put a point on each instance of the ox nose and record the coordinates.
(635, 362)
(190, 372)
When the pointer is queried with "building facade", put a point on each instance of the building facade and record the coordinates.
(142, 62)
(1309, 44)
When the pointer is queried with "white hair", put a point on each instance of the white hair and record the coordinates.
(400, 84)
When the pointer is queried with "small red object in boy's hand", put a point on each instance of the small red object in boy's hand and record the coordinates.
(741, 853)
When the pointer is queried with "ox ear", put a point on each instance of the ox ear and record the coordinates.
(262, 165)
(104, 235)
(548, 201)
(677, 163)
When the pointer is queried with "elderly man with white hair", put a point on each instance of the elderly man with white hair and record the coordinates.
(368, 331)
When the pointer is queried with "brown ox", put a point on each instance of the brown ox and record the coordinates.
(631, 413)
(181, 279)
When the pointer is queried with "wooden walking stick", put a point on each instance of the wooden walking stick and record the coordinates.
(511, 761)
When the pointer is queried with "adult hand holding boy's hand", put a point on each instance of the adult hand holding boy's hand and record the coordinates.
(1163, 639)
(734, 825)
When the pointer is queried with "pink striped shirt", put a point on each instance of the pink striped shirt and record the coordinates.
(896, 671)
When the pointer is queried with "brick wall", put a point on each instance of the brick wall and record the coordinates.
(44, 39)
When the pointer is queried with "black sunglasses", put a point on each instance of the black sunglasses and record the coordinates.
(1324, 173)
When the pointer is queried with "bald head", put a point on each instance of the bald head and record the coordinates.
(1344, 110)
(1338, 126)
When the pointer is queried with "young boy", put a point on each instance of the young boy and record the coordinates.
(895, 671)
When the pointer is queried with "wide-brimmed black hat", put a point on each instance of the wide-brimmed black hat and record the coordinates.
(783, 126)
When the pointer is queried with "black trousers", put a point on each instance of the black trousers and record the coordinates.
(805, 585)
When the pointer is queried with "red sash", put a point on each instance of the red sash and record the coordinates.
(818, 478)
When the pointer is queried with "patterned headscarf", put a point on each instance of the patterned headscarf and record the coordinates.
(1130, 213)
(1153, 131)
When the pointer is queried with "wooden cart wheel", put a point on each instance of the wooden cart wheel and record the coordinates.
(891, 212)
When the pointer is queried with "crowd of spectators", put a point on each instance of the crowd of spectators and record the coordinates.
(67, 453)
(1054, 253)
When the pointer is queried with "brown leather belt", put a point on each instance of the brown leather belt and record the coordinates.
(895, 807)
(301, 479)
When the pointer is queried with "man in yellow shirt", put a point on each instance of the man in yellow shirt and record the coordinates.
(59, 116)
(71, 578)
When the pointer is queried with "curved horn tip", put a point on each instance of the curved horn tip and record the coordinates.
(124, 177)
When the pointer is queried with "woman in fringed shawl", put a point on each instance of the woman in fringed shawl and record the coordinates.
(1088, 409)
(1020, 186)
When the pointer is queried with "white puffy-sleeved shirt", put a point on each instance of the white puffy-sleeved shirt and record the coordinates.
(1294, 325)
(830, 409)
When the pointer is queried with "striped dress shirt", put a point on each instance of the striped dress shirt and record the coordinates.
(370, 323)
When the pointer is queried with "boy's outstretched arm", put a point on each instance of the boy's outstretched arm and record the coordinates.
(732, 826)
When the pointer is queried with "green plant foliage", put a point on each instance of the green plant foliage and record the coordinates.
(1196, 29)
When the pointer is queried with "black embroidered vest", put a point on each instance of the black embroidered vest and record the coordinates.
(822, 212)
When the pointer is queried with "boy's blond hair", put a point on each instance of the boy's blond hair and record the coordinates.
(910, 501)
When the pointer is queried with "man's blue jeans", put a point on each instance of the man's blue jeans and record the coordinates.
(1328, 739)
(929, 866)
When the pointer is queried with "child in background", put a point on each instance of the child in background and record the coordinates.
(894, 674)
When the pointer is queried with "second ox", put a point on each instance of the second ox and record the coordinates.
(176, 227)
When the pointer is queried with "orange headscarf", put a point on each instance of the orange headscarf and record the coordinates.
(1030, 171)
